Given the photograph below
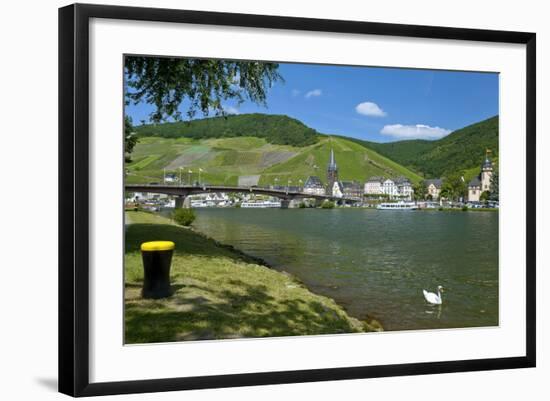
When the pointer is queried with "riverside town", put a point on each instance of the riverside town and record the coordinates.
(376, 191)
(284, 199)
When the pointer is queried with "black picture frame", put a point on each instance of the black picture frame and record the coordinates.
(74, 200)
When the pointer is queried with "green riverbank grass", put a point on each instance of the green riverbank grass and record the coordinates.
(219, 293)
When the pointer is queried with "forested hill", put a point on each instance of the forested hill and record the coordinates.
(275, 129)
(462, 150)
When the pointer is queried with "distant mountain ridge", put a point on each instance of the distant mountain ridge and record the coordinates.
(275, 129)
(462, 150)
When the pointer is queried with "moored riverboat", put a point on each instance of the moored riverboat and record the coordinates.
(397, 206)
(261, 205)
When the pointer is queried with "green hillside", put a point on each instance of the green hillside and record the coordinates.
(274, 149)
(223, 160)
(275, 129)
(355, 162)
(462, 150)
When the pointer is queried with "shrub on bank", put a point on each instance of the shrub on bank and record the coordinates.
(184, 216)
(327, 205)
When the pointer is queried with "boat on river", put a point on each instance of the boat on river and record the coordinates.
(261, 205)
(401, 205)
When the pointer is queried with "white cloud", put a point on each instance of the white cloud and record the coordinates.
(226, 109)
(295, 92)
(418, 131)
(370, 109)
(230, 110)
(314, 92)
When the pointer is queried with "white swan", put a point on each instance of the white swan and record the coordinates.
(434, 298)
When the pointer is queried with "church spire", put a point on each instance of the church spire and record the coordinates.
(332, 164)
(332, 172)
(487, 164)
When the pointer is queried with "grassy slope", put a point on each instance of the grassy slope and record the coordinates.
(225, 159)
(355, 162)
(462, 150)
(219, 293)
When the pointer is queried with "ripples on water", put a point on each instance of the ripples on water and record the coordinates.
(376, 263)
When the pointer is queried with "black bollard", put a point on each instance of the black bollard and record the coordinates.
(156, 256)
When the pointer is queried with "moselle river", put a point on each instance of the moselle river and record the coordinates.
(375, 263)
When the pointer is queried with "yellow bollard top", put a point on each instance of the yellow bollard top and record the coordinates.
(157, 246)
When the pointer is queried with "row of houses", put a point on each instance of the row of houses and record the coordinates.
(399, 187)
(479, 184)
(339, 189)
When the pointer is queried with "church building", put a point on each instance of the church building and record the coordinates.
(314, 186)
(481, 183)
(332, 173)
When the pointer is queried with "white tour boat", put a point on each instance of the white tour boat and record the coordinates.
(397, 206)
(260, 205)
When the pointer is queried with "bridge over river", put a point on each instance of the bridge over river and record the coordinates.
(181, 192)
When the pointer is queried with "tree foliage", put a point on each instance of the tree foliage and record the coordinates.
(327, 205)
(166, 82)
(275, 129)
(184, 216)
(419, 190)
(494, 187)
(453, 187)
(130, 138)
(485, 195)
(461, 150)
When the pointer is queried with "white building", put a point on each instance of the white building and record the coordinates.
(140, 196)
(398, 187)
(474, 190)
(373, 186)
(481, 183)
(404, 188)
(389, 188)
(434, 188)
(146, 196)
(337, 190)
(314, 186)
(352, 190)
(486, 174)
(170, 178)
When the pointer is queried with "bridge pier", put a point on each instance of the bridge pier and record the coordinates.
(182, 201)
(290, 203)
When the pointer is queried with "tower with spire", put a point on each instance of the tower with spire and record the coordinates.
(486, 172)
(332, 172)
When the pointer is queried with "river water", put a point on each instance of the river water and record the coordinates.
(375, 263)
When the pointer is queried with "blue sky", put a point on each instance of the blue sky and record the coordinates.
(377, 104)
